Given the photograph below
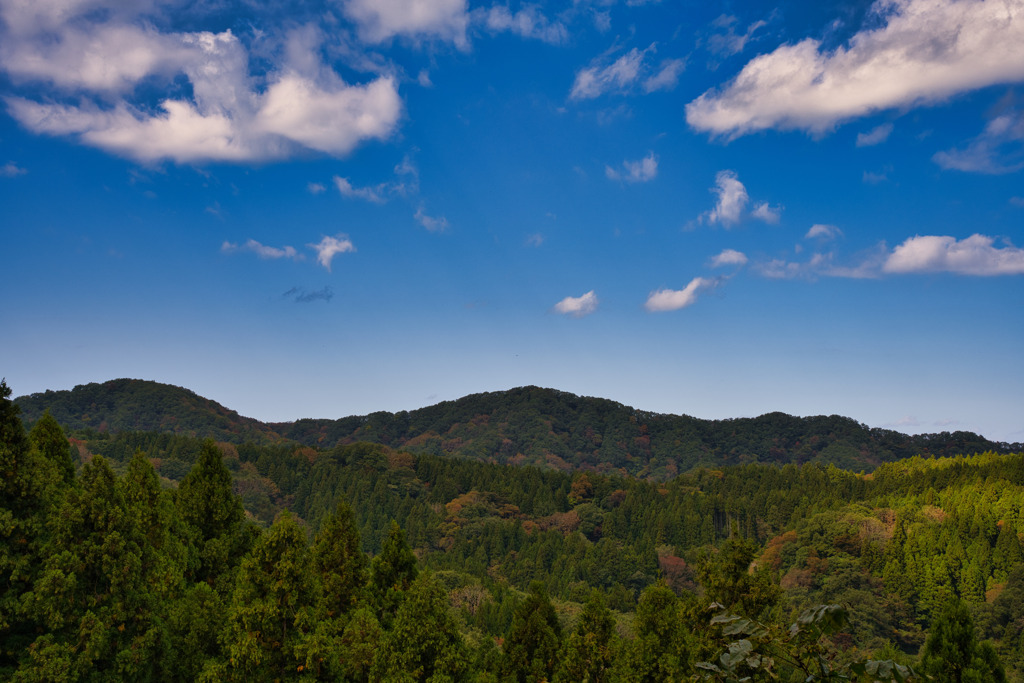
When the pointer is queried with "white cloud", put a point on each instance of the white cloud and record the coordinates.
(1016, 201)
(667, 76)
(974, 255)
(329, 247)
(379, 20)
(594, 81)
(729, 257)
(998, 149)
(639, 171)
(534, 240)
(872, 178)
(11, 169)
(914, 52)
(262, 250)
(578, 306)
(370, 194)
(316, 188)
(768, 214)
(732, 199)
(528, 22)
(674, 299)
(438, 224)
(230, 113)
(823, 231)
(779, 269)
(875, 136)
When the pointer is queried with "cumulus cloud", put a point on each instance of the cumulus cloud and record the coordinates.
(823, 232)
(262, 250)
(380, 20)
(910, 52)
(431, 223)
(875, 136)
(974, 255)
(674, 299)
(769, 214)
(528, 22)
(91, 65)
(578, 306)
(732, 199)
(11, 169)
(639, 171)
(998, 149)
(729, 257)
(329, 247)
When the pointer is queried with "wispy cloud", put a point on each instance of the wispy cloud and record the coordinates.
(262, 250)
(729, 257)
(534, 240)
(626, 73)
(528, 22)
(922, 51)
(673, 299)
(875, 136)
(431, 223)
(380, 20)
(639, 171)
(329, 247)
(301, 295)
(823, 232)
(371, 194)
(998, 149)
(315, 188)
(974, 255)
(578, 306)
(769, 214)
(727, 42)
(872, 178)
(666, 77)
(11, 169)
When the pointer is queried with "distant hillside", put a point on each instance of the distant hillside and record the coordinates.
(548, 428)
(523, 426)
(122, 405)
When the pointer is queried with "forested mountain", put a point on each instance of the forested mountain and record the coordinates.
(524, 426)
(148, 556)
(125, 405)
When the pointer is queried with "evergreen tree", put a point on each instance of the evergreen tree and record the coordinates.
(658, 651)
(391, 573)
(952, 653)
(531, 648)
(48, 439)
(424, 643)
(340, 561)
(587, 654)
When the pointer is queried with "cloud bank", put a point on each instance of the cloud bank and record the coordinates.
(923, 51)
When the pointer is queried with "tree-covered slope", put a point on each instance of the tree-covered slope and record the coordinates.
(555, 429)
(523, 426)
(139, 405)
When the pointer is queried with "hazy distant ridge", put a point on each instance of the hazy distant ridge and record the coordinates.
(526, 425)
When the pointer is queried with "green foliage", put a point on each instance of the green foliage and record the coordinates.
(586, 655)
(952, 653)
(48, 439)
(531, 649)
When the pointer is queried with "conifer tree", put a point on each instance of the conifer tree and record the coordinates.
(531, 649)
(658, 651)
(952, 653)
(587, 654)
(340, 561)
(391, 573)
(48, 439)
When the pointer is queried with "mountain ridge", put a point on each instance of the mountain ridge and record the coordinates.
(526, 425)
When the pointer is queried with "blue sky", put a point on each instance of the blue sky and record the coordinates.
(325, 209)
